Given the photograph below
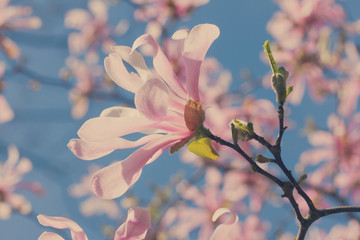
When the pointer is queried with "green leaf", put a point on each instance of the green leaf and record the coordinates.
(270, 57)
(289, 90)
(202, 147)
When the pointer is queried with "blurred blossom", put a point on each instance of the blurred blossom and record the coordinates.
(14, 18)
(218, 192)
(337, 232)
(350, 89)
(159, 12)
(134, 227)
(94, 30)
(166, 110)
(11, 172)
(93, 205)
(85, 75)
(337, 150)
(299, 19)
(6, 113)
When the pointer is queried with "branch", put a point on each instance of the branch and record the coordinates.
(340, 209)
(255, 167)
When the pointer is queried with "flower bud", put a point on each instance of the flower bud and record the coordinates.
(278, 83)
(194, 115)
(241, 130)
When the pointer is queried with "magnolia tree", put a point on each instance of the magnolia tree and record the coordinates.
(174, 101)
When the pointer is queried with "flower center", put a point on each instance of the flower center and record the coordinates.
(194, 115)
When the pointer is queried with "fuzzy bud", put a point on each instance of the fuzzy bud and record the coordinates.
(241, 130)
(278, 83)
(194, 115)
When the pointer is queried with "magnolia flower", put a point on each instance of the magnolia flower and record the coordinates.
(11, 173)
(93, 205)
(135, 226)
(6, 113)
(94, 30)
(168, 112)
(13, 18)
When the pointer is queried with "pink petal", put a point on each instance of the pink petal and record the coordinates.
(196, 45)
(80, 107)
(10, 47)
(99, 9)
(62, 223)
(50, 236)
(117, 71)
(152, 99)
(77, 18)
(162, 65)
(321, 138)
(228, 230)
(105, 128)
(136, 225)
(136, 60)
(77, 43)
(192, 69)
(180, 34)
(92, 150)
(316, 156)
(114, 180)
(6, 113)
(199, 40)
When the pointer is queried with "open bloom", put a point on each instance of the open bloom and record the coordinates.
(135, 226)
(167, 112)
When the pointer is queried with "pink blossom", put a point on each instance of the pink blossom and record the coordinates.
(93, 205)
(11, 173)
(94, 30)
(338, 152)
(160, 100)
(134, 227)
(218, 192)
(206, 201)
(13, 18)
